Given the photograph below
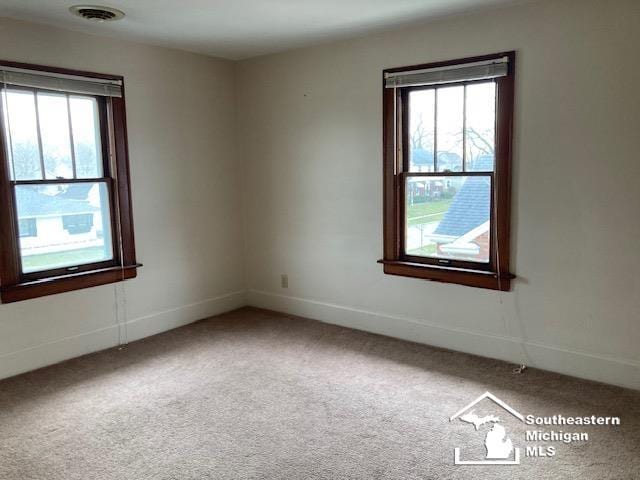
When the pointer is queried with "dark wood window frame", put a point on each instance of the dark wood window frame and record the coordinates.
(493, 275)
(16, 285)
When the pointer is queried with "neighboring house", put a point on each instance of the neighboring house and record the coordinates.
(420, 188)
(447, 161)
(58, 221)
(463, 232)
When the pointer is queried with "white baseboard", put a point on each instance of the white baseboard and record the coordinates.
(615, 371)
(155, 323)
(27, 359)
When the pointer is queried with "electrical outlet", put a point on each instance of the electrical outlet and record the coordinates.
(284, 280)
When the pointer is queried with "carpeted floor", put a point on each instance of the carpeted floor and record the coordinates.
(256, 395)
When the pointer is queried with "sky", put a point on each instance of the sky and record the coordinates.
(19, 109)
(480, 115)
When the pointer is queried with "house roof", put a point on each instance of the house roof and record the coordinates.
(76, 191)
(464, 244)
(446, 160)
(470, 207)
(420, 156)
(33, 203)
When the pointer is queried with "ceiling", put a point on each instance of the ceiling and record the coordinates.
(237, 29)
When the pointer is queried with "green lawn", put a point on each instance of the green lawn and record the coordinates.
(427, 250)
(430, 211)
(61, 259)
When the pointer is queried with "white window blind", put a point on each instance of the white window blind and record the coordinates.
(487, 69)
(60, 82)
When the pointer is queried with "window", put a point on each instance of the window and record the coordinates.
(447, 162)
(28, 227)
(64, 177)
(76, 224)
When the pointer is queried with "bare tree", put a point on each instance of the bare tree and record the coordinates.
(420, 135)
(26, 160)
(480, 141)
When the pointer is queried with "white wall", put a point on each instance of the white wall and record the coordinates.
(180, 112)
(308, 134)
(310, 139)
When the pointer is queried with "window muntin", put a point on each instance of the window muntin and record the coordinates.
(447, 216)
(447, 157)
(21, 134)
(67, 143)
(480, 126)
(87, 143)
(64, 153)
(422, 128)
(51, 135)
(74, 225)
(55, 134)
(449, 124)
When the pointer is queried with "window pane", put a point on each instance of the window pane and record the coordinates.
(421, 121)
(448, 217)
(21, 134)
(28, 227)
(481, 128)
(54, 133)
(449, 128)
(70, 225)
(86, 136)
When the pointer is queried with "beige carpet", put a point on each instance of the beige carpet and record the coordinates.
(256, 395)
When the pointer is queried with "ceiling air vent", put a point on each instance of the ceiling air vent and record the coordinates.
(96, 13)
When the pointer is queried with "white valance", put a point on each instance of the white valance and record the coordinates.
(487, 69)
(60, 82)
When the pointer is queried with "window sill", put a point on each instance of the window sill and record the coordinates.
(67, 283)
(460, 276)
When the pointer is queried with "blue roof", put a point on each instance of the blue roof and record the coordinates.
(420, 156)
(76, 191)
(483, 163)
(33, 203)
(470, 207)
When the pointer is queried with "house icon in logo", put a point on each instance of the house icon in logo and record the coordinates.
(499, 448)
